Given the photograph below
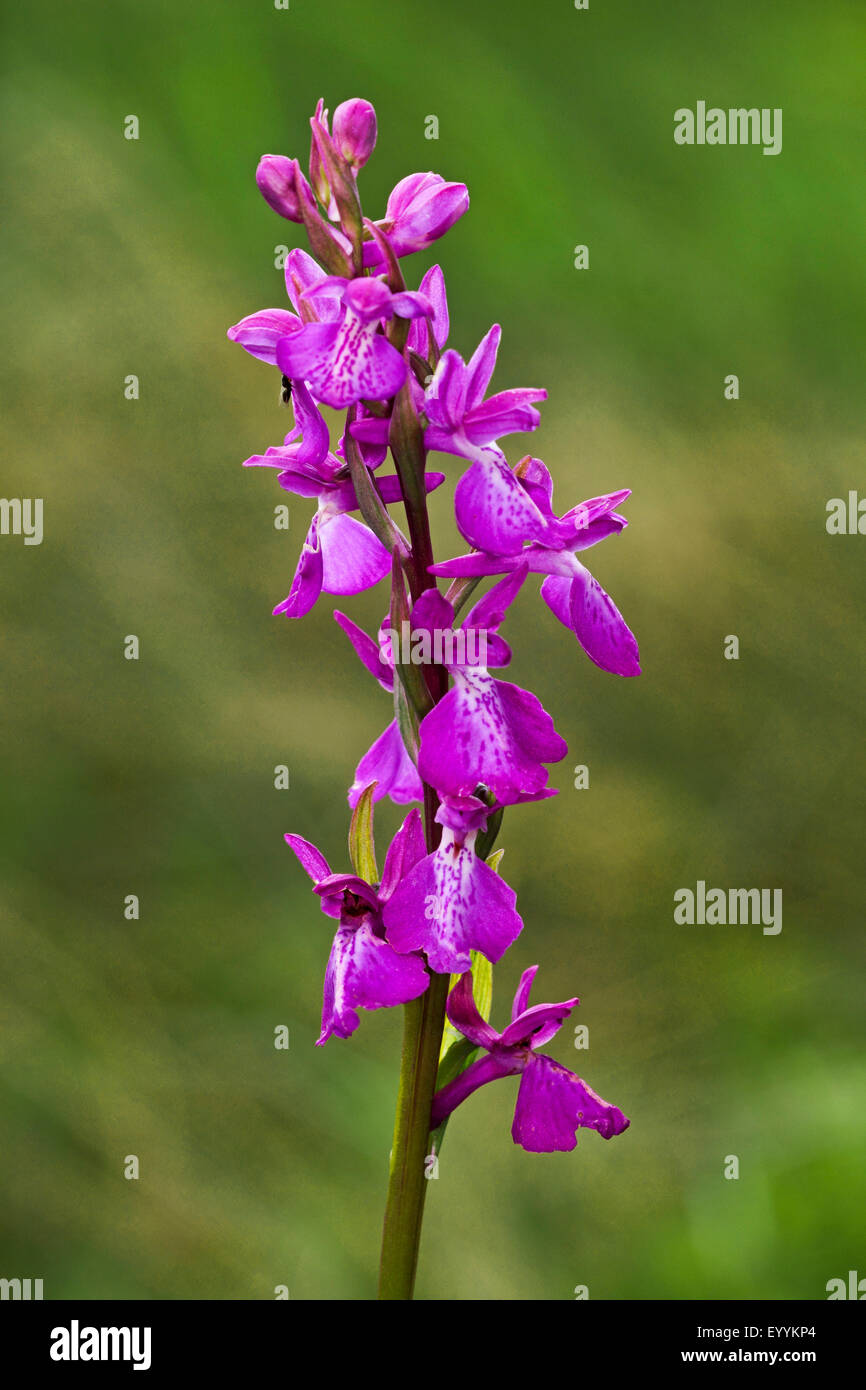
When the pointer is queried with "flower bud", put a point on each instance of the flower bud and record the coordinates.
(318, 173)
(421, 208)
(354, 131)
(276, 177)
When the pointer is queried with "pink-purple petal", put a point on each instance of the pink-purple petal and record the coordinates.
(480, 367)
(335, 886)
(364, 972)
(390, 488)
(315, 442)
(431, 612)
(302, 272)
(433, 286)
(536, 1026)
(521, 998)
(260, 333)
(552, 1103)
(367, 651)
(353, 558)
(307, 583)
(594, 507)
(556, 592)
(364, 366)
(411, 304)
(510, 412)
(535, 477)
(598, 530)
(450, 904)
(370, 430)
(307, 355)
(407, 849)
(468, 566)
(388, 764)
(445, 399)
(601, 629)
(421, 208)
(311, 859)
(493, 511)
(464, 1015)
(489, 731)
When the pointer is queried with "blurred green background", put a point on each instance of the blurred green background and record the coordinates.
(155, 1037)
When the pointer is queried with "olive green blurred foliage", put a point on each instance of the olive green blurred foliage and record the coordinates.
(262, 1167)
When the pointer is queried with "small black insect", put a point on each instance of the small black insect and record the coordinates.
(285, 391)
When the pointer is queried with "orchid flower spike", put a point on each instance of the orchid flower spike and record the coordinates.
(552, 1102)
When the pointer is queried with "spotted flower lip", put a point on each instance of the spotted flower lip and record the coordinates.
(364, 971)
(552, 1102)
(350, 360)
(451, 902)
(569, 590)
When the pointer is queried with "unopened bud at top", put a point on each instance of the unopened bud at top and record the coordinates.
(354, 131)
(276, 177)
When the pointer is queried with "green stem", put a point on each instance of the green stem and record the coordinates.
(407, 1186)
(424, 1018)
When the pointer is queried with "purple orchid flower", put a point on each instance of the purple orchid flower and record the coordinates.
(350, 360)
(483, 730)
(259, 333)
(427, 337)
(552, 1102)
(340, 554)
(493, 511)
(461, 420)
(364, 971)
(421, 208)
(387, 761)
(467, 743)
(452, 902)
(570, 591)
